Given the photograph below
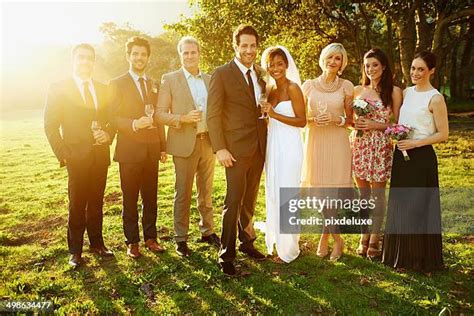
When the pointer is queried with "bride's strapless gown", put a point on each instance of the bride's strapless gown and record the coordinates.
(284, 159)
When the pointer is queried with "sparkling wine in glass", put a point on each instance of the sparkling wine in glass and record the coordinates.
(200, 102)
(95, 127)
(322, 107)
(149, 111)
(262, 99)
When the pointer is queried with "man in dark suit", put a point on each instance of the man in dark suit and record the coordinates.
(239, 139)
(71, 107)
(140, 146)
(182, 92)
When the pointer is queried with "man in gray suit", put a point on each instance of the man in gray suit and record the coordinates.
(181, 105)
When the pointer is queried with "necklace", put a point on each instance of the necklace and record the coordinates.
(331, 87)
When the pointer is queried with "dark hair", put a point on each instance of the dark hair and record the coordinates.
(82, 45)
(243, 29)
(428, 57)
(386, 81)
(276, 51)
(137, 41)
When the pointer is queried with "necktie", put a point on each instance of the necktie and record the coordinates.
(251, 87)
(88, 96)
(143, 88)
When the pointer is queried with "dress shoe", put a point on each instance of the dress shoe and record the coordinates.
(153, 246)
(212, 240)
(102, 251)
(182, 249)
(133, 251)
(228, 268)
(75, 260)
(252, 253)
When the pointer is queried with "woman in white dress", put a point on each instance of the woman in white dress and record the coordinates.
(284, 157)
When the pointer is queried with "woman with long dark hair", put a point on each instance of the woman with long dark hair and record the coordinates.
(413, 231)
(372, 151)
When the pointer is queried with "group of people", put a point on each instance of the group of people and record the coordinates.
(249, 117)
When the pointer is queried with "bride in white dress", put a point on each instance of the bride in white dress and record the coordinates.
(284, 156)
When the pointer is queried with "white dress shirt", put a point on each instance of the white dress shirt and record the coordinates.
(198, 91)
(135, 78)
(80, 85)
(253, 75)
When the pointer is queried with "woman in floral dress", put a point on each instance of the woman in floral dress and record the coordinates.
(372, 151)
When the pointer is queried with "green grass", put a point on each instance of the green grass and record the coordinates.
(33, 248)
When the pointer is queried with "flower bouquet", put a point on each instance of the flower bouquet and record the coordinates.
(362, 107)
(399, 132)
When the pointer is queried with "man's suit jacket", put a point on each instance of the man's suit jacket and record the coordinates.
(232, 115)
(175, 99)
(66, 110)
(127, 105)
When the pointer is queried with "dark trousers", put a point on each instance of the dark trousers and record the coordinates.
(243, 181)
(86, 185)
(138, 178)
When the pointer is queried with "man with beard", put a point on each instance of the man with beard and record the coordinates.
(140, 146)
(72, 106)
(239, 139)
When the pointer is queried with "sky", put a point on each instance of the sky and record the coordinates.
(28, 24)
(33, 33)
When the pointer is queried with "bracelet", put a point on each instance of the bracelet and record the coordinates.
(343, 121)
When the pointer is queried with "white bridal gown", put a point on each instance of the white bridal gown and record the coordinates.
(284, 159)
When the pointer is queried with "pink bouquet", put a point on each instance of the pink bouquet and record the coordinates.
(362, 107)
(399, 132)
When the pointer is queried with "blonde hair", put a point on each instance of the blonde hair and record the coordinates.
(332, 49)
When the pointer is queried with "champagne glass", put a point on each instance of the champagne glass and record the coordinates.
(322, 107)
(149, 111)
(262, 99)
(95, 127)
(200, 102)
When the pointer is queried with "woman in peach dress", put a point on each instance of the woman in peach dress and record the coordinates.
(327, 161)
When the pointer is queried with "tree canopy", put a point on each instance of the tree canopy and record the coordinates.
(400, 28)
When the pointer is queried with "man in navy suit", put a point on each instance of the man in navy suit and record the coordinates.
(71, 106)
(140, 146)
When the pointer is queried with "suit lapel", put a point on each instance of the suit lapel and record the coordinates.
(75, 94)
(184, 85)
(240, 78)
(260, 72)
(207, 80)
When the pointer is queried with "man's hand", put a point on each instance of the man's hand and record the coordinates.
(193, 116)
(225, 158)
(143, 122)
(101, 137)
(163, 157)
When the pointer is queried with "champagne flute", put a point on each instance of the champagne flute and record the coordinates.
(200, 102)
(95, 127)
(149, 111)
(322, 107)
(262, 99)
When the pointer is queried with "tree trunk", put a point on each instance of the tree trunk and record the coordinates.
(466, 64)
(453, 84)
(424, 30)
(442, 21)
(406, 42)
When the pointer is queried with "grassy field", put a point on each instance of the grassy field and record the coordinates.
(33, 251)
